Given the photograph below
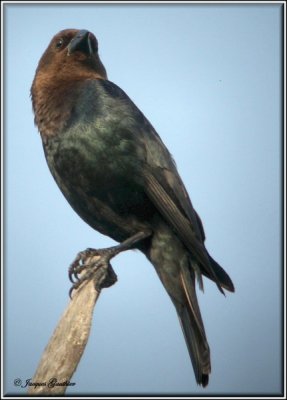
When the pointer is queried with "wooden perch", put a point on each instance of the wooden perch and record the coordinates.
(67, 344)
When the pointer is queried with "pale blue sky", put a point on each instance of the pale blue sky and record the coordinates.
(208, 79)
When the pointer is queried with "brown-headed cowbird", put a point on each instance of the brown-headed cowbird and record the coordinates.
(117, 174)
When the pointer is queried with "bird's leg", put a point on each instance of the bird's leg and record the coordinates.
(100, 268)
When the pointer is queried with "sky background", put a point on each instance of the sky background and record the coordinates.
(208, 79)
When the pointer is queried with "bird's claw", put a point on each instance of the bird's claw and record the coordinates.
(100, 269)
(79, 264)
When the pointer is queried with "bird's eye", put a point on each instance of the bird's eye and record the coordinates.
(59, 43)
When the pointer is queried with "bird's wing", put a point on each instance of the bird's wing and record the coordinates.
(167, 191)
(179, 222)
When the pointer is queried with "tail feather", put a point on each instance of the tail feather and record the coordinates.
(178, 271)
(198, 349)
(193, 329)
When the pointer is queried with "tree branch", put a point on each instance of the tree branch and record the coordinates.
(67, 344)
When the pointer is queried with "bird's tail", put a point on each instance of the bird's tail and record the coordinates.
(177, 269)
(193, 329)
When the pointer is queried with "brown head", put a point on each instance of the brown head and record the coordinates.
(71, 57)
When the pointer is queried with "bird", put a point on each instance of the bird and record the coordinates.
(119, 177)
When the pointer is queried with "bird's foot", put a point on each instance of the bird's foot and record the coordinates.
(92, 264)
(95, 264)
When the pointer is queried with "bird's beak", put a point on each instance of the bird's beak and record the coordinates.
(81, 42)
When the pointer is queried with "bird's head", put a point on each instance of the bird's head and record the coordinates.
(72, 54)
(70, 59)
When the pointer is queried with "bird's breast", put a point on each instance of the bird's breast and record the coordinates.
(97, 163)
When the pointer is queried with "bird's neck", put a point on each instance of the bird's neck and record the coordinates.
(52, 105)
(53, 102)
